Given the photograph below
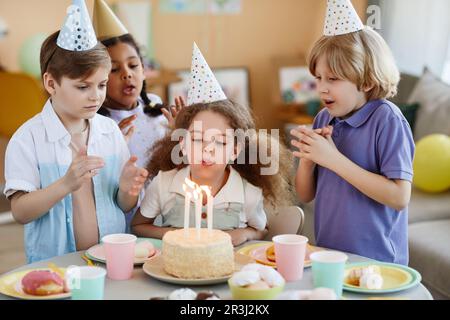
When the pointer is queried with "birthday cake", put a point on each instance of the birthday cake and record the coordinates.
(188, 255)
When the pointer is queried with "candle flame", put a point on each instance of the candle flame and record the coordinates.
(190, 184)
(207, 190)
(195, 194)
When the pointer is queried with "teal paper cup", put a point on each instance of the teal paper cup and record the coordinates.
(86, 283)
(328, 270)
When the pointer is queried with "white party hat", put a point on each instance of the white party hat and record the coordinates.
(203, 85)
(106, 23)
(77, 33)
(341, 18)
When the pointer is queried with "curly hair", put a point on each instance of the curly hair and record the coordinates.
(277, 188)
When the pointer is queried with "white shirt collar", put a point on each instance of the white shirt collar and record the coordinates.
(232, 191)
(118, 115)
(56, 131)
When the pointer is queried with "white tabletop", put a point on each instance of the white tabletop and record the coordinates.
(142, 287)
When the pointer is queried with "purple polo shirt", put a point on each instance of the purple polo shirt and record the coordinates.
(379, 139)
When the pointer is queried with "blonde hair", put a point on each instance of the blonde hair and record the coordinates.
(363, 58)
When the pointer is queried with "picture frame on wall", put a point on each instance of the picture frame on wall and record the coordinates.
(297, 85)
(293, 83)
(235, 83)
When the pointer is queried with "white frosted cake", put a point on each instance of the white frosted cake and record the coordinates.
(188, 256)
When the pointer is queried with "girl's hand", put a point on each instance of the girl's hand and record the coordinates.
(173, 111)
(126, 123)
(318, 149)
(132, 178)
(82, 169)
(238, 236)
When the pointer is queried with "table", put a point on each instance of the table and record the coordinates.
(143, 287)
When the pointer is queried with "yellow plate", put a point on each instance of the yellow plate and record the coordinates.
(395, 277)
(248, 250)
(11, 285)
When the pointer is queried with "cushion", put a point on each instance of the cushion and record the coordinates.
(430, 255)
(428, 206)
(433, 96)
(409, 111)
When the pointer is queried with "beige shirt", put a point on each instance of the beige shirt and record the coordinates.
(84, 215)
(160, 197)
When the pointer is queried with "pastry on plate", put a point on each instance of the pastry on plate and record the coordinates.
(42, 283)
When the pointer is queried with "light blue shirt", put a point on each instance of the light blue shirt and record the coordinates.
(38, 154)
(378, 139)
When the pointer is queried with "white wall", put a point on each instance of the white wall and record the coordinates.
(418, 32)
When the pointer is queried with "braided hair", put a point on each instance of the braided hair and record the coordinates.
(152, 109)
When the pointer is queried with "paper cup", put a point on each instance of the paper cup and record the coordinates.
(86, 283)
(328, 270)
(119, 249)
(290, 252)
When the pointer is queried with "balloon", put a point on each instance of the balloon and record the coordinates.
(29, 54)
(432, 163)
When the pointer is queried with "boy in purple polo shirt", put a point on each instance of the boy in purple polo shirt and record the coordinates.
(357, 160)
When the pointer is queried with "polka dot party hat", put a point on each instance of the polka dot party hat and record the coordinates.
(341, 18)
(203, 85)
(77, 33)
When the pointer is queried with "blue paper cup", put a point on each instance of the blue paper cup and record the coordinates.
(328, 270)
(86, 283)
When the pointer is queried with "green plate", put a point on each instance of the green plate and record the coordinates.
(156, 242)
(395, 277)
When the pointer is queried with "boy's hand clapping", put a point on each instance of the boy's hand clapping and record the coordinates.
(133, 178)
(315, 146)
(82, 169)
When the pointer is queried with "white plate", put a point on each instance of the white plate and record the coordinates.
(155, 269)
(97, 252)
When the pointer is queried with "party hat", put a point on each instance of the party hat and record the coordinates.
(341, 18)
(77, 33)
(106, 23)
(203, 85)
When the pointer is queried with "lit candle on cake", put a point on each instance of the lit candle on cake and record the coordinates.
(198, 197)
(187, 206)
(210, 203)
(188, 186)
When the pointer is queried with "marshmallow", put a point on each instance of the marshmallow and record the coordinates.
(183, 294)
(371, 281)
(143, 249)
(260, 285)
(140, 252)
(272, 277)
(252, 267)
(244, 278)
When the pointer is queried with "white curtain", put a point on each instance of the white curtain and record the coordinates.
(418, 32)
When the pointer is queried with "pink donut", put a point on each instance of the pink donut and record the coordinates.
(42, 283)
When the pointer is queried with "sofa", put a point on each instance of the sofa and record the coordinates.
(429, 214)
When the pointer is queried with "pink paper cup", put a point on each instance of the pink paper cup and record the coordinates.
(290, 252)
(119, 249)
